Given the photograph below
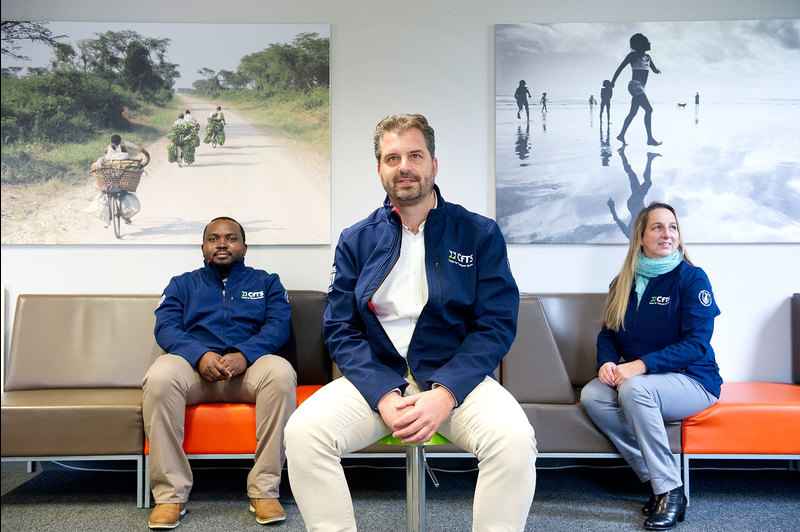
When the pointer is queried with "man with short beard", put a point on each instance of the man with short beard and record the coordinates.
(421, 309)
(220, 325)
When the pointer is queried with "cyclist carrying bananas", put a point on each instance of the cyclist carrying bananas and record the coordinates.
(218, 116)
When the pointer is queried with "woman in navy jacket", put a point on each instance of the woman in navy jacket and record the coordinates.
(654, 358)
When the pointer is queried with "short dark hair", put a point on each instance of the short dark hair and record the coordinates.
(116, 139)
(244, 240)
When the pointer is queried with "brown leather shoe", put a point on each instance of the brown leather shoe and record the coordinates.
(267, 510)
(167, 515)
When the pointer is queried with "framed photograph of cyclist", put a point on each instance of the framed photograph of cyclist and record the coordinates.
(140, 133)
(594, 121)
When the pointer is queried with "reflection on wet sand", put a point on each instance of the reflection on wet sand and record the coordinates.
(639, 191)
(605, 146)
(523, 145)
(738, 164)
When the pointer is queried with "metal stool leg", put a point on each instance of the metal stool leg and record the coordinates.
(415, 488)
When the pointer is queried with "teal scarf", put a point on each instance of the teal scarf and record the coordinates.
(647, 268)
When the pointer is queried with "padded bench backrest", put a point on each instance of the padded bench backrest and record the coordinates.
(533, 371)
(305, 348)
(574, 320)
(81, 341)
(106, 341)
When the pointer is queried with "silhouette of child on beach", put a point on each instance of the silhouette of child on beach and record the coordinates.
(640, 63)
(605, 100)
(521, 96)
(543, 101)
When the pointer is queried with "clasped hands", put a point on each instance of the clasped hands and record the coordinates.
(415, 419)
(214, 367)
(614, 375)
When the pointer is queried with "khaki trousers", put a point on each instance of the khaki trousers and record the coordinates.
(337, 420)
(171, 384)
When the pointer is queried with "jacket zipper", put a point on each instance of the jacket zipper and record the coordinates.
(224, 312)
(398, 234)
(371, 294)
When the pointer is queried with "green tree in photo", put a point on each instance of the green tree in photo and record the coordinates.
(299, 66)
(12, 31)
(137, 72)
(130, 60)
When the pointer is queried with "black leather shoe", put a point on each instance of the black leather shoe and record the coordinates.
(650, 506)
(670, 510)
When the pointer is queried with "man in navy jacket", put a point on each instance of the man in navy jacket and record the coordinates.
(421, 309)
(221, 326)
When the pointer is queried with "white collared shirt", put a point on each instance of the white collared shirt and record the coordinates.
(399, 301)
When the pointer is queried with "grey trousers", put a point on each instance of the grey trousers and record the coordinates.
(633, 419)
(172, 383)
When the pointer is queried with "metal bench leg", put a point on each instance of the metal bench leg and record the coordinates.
(147, 481)
(415, 488)
(686, 478)
(139, 480)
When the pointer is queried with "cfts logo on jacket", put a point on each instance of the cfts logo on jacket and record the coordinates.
(461, 259)
(252, 295)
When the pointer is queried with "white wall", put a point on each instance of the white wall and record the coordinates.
(436, 58)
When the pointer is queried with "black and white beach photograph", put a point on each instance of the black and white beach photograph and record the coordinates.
(594, 121)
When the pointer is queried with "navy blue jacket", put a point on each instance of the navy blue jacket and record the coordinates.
(197, 314)
(671, 329)
(465, 328)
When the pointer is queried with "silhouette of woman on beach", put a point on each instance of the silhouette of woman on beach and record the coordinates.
(640, 63)
(543, 101)
(521, 95)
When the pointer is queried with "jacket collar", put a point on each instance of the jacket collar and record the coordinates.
(212, 271)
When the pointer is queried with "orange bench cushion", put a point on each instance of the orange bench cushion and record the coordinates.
(225, 428)
(304, 391)
(749, 418)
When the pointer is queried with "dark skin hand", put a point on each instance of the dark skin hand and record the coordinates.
(214, 367)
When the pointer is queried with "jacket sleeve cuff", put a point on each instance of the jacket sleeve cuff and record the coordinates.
(436, 385)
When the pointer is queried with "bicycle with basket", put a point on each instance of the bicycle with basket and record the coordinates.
(116, 179)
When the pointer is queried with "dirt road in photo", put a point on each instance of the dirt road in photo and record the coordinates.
(277, 190)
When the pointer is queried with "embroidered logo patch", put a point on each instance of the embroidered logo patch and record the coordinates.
(659, 300)
(705, 298)
(252, 295)
(465, 261)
